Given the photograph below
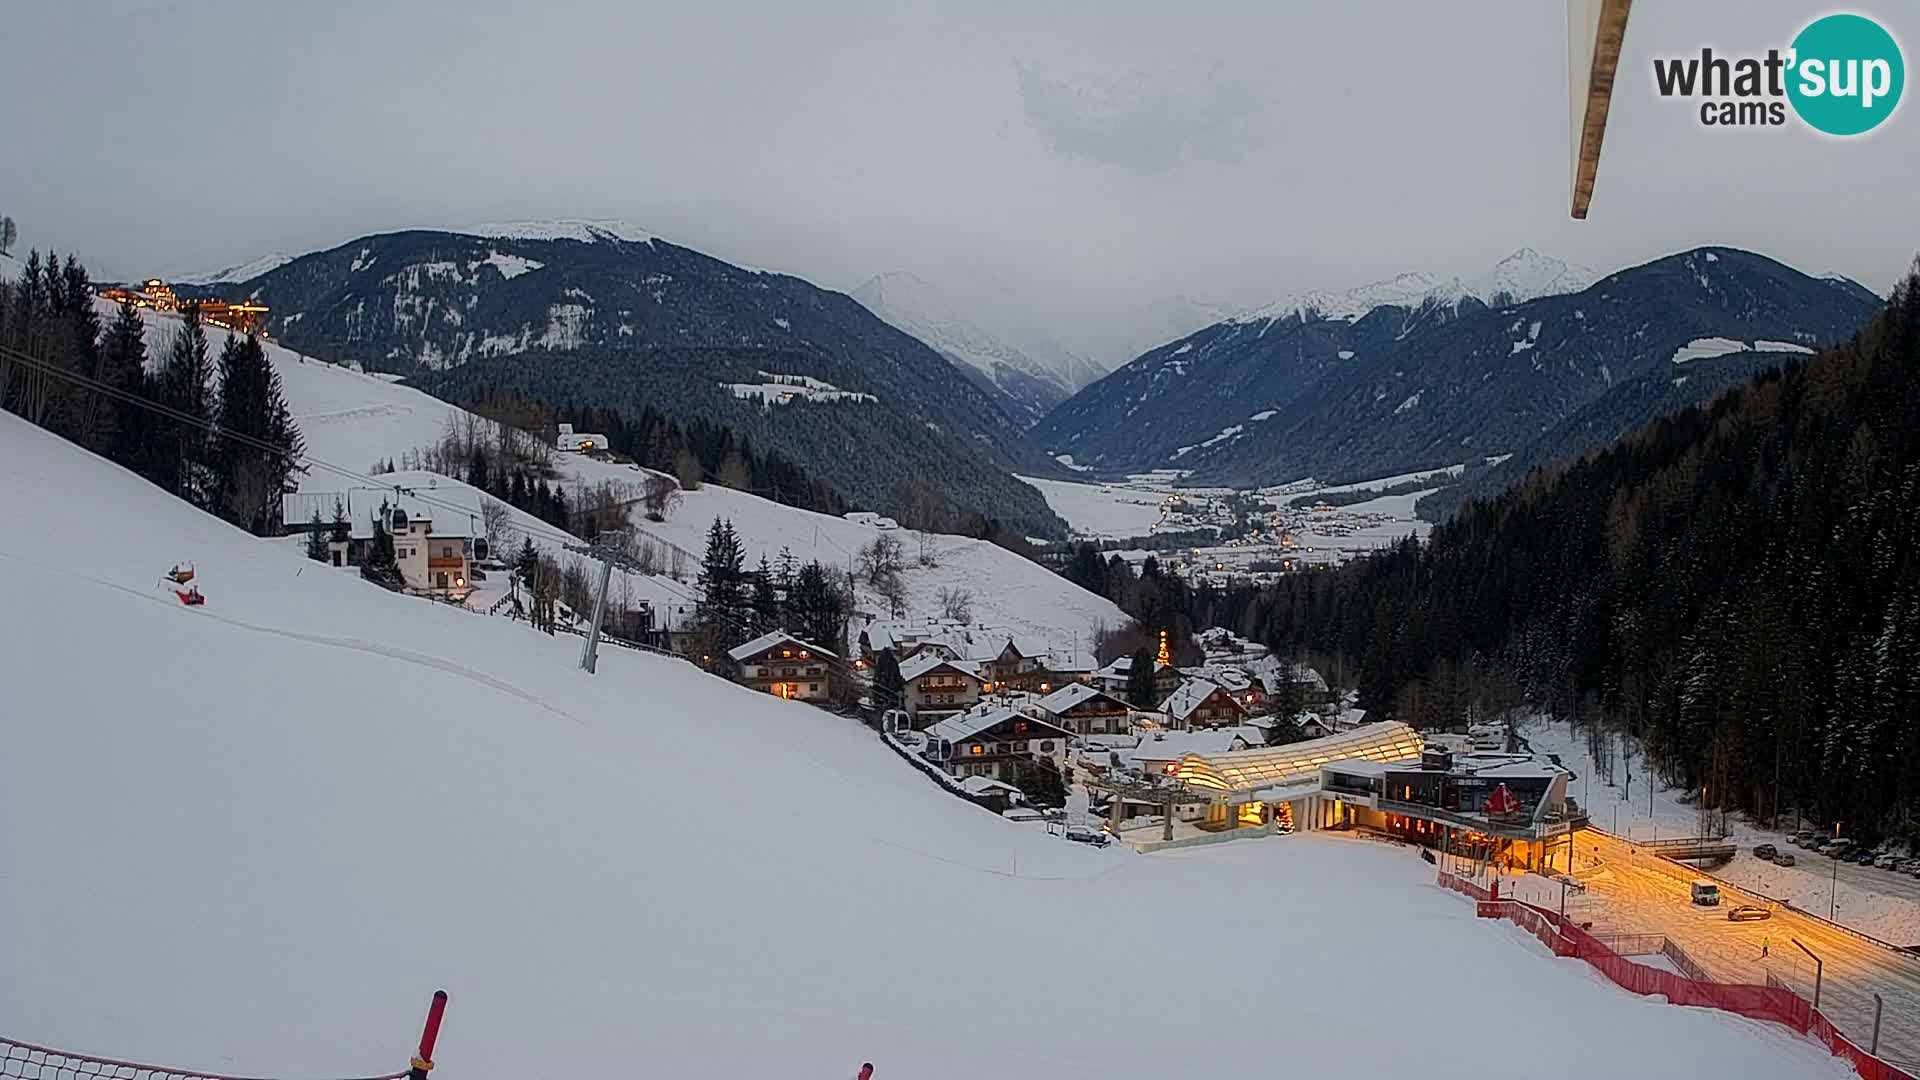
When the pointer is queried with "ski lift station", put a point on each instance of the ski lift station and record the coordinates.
(1382, 776)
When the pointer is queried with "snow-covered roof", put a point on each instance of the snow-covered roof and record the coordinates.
(966, 725)
(1191, 695)
(442, 515)
(1246, 770)
(770, 639)
(981, 785)
(1074, 694)
(928, 661)
(1175, 745)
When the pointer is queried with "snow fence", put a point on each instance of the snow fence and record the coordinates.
(1775, 1002)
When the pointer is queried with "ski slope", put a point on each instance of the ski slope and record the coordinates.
(252, 837)
(353, 420)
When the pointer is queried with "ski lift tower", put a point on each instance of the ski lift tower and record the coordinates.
(1595, 31)
(609, 548)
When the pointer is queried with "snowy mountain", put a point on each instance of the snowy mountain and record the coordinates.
(608, 314)
(1032, 377)
(1524, 275)
(240, 274)
(1408, 375)
(354, 797)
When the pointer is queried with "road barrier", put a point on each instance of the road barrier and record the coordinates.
(1773, 1002)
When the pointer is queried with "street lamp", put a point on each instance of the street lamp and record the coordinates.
(1833, 887)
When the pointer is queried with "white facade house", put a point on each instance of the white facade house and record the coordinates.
(580, 442)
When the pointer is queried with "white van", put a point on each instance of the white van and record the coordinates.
(1706, 894)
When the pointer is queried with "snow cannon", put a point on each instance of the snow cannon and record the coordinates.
(181, 573)
(191, 596)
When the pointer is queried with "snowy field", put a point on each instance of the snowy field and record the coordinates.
(1106, 511)
(289, 815)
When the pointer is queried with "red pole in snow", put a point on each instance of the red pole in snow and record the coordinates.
(423, 1061)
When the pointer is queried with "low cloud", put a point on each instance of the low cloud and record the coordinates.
(1144, 122)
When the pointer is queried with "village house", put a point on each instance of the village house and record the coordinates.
(991, 741)
(1161, 753)
(1113, 678)
(1085, 711)
(780, 664)
(1199, 703)
(433, 561)
(938, 687)
(580, 442)
(1011, 668)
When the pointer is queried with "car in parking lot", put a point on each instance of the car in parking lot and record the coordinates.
(1864, 858)
(1088, 836)
(1765, 851)
(1747, 913)
(1803, 838)
(1887, 861)
(1785, 858)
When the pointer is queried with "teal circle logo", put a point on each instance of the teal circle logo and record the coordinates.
(1847, 75)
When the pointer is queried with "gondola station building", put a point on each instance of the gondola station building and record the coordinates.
(1383, 777)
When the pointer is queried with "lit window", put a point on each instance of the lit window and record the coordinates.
(977, 749)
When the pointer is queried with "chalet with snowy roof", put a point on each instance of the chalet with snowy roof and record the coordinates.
(435, 558)
(1161, 752)
(1199, 703)
(1085, 711)
(780, 664)
(1113, 678)
(937, 687)
(580, 442)
(991, 741)
(1013, 667)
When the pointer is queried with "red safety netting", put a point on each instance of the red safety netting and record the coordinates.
(1772, 1003)
(25, 1061)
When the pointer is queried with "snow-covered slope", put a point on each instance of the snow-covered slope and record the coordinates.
(566, 229)
(243, 272)
(253, 836)
(353, 420)
(1034, 375)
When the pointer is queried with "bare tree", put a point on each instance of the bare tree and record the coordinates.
(8, 234)
(956, 604)
(882, 559)
(661, 497)
(497, 519)
(929, 552)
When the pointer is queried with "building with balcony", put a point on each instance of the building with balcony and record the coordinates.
(937, 687)
(991, 741)
(780, 664)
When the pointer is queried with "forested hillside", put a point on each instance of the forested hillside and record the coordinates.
(1737, 584)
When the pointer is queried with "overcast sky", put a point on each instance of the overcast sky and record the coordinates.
(1072, 163)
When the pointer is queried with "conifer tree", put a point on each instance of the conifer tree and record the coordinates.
(889, 689)
(1140, 685)
(124, 365)
(183, 454)
(317, 539)
(380, 566)
(252, 409)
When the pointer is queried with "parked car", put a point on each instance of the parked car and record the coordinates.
(1864, 858)
(1765, 851)
(1785, 859)
(1088, 836)
(1747, 913)
(1887, 861)
(1803, 838)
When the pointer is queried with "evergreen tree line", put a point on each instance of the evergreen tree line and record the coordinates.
(48, 316)
(1154, 598)
(1736, 586)
(739, 604)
